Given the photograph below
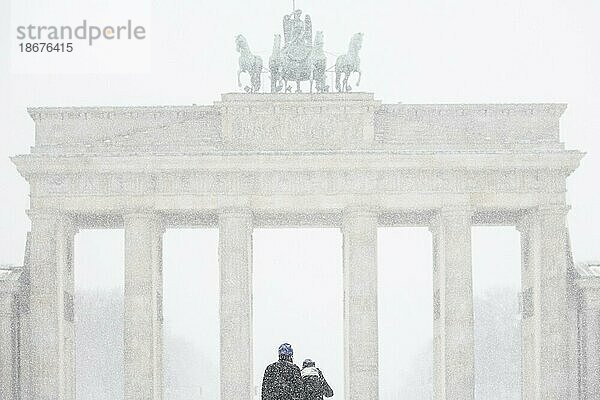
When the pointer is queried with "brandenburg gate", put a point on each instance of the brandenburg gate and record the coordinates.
(340, 160)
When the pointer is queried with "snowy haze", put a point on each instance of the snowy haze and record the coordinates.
(420, 51)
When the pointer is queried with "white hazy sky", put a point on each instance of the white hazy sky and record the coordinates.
(419, 51)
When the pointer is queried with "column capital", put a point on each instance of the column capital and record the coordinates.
(459, 210)
(236, 212)
(361, 210)
(546, 209)
(524, 222)
(40, 213)
(529, 216)
(590, 291)
(145, 215)
(10, 282)
(51, 218)
(7, 300)
(443, 213)
(553, 209)
(360, 220)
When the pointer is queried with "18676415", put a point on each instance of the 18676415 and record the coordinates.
(46, 47)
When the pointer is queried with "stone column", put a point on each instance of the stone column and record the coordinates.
(8, 352)
(545, 328)
(51, 348)
(143, 307)
(529, 317)
(574, 300)
(590, 338)
(361, 354)
(235, 262)
(453, 334)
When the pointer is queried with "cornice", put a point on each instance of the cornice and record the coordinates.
(551, 110)
(564, 162)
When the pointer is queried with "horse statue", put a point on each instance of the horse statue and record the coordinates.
(250, 63)
(319, 64)
(348, 63)
(293, 62)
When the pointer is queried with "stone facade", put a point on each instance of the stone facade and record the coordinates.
(342, 160)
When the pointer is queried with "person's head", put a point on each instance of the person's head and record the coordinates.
(308, 363)
(286, 353)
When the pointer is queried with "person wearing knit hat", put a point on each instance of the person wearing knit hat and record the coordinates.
(282, 379)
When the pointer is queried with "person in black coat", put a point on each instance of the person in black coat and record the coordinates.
(314, 384)
(282, 379)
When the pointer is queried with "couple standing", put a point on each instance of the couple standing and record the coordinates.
(283, 380)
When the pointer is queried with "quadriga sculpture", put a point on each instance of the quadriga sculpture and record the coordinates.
(297, 58)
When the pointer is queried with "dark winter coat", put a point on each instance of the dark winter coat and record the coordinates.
(314, 384)
(282, 381)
